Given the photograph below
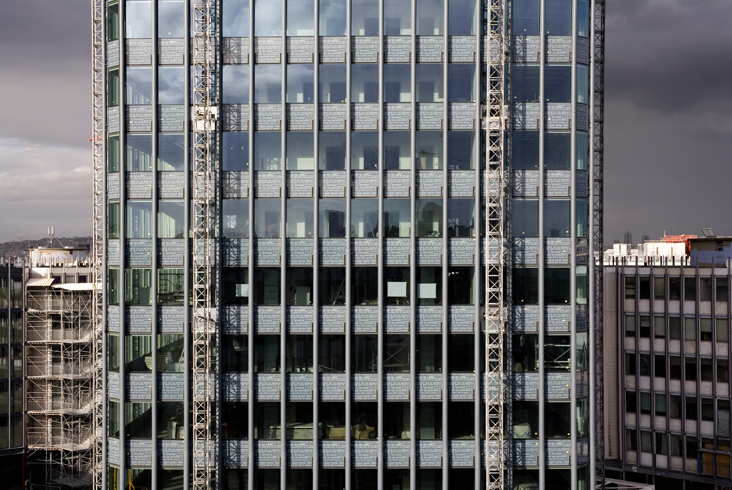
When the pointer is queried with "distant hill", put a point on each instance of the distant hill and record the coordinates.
(20, 248)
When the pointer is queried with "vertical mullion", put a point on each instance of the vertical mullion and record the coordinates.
(154, 238)
(347, 258)
(380, 257)
(251, 395)
(542, 195)
(477, 84)
(316, 246)
(414, 401)
(122, 234)
(187, 255)
(283, 251)
(573, 256)
(445, 256)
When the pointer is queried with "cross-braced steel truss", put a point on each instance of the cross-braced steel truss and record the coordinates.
(205, 197)
(495, 258)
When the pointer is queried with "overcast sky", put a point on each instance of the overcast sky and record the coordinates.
(668, 118)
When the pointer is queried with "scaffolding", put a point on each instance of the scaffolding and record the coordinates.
(205, 200)
(60, 380)
(496, 316)
(98, 230)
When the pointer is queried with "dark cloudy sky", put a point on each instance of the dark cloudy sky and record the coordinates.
(668, 146)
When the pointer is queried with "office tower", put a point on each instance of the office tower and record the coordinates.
(345, 243)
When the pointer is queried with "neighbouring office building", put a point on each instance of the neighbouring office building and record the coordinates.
(348, 285)
(667, 329)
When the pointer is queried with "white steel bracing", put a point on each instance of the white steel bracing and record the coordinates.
(98, 227)
(495, 259)
(204, 218)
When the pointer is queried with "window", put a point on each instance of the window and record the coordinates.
(674, 328)
(525, 18)
(630, 287)
(690, 329)
(660, 404)
(332, 218)
(676, 445)
(461, 422)
(332, 20)
(235, 17)
(364, 17)
(170, 219)
(365, 83)
(429, 421)
(364, 354)
(396, 420)
(558, 17)
(299, 222)
(722, 291)
(138, 21)
(113, 154)
(300, 82)
(722, 330)
(332, 421)
(645, 364)
(113, 22)
(557, 353)
(722, 371)
(659, 288)
(525, 149)
(525, 84)
(235, 84)
(429, 286)
(138, 284)
(266, 422)
(557, 420)
(113, 220)
(266, 354)
(557, 151)
(170, 152)
(631, 400)
(461, 18)
(429, 218)
(461, 353)
(332, 353)
(690, 368)
(644, 326)
(558, 83)
(646, 441)
(460, 82)
(397, 151)
(332, 286)
(299, 286)
(583, 84)
(645, 403)
(525, 218)
(332, 83)
(583, 18)
(659, 327)
(267, 18)
(556, 285)
(557, 221)
(674, 288)
(644, 287)
(583, 150)
(113, 89)
(234, 419)
(430, 15)
(689, 289)
(397, 218)
(235, 286)
(705, 289)
(299, 351)
(266, 286)
(171, 287)
(138, 421)
(235, 217)
(460, 150)
(138, 85)
(397, 18)
(525, 420)
(332, 151)
(582, 352)
(113, 418)
(364, 218)
(113, 352)
(429, 150)
(113, 286)
(460, 286)
(267, 151)
(707, 372)
(429, 353)
(300, 14)
(170, 85)
(396, 285)
(705, 329)
(267, 218)
(707, 409)
(630, 368)
(364, 150)
(674, 371)
(525, 286)
(138, 353)
(461, 218)
(692, 446)
(139, 153)
(364, 286)
(397, 83)
(268, 81)
(396, 353)
(674, 406)
(659, 366)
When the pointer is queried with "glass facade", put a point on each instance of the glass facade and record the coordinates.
(349, 271)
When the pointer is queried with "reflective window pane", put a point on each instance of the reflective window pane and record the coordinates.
(397, 218)
(235, 84)
(235, 286)
(170, 219)
(364, 150)
(556, 285)
(364, 17)
(461, 82)
(396, 353)
(429, 82)
(557, 218)
(558, 83)
(267, 18)
(332, 20)
(461, 150)
(525, 150)
(300, 15)
(170, 422)
(557, 151)
(170, 19)
(332, 286)
(525, 17)
(235, 151)
(170, 84)
(112, 224)
(397, 82)
(525, 286)
(139, 153)
(236, 348)
(558, 17)
(138, 353)
(138, 219)
(364, 286)
(430, 17)
(113, 22)
(300, 150)
(171, 287)
(397, 153)
(138, 85)
(113, 88)
(461, 17)
(583, 150)
(429, 353)
(300, 83)
(332, 218)
(583, 18)
(525, 218)
(332, 150)
(429, 286)
(138, 284)
(267, 218)
(235, 218)
(364, 218)
(396, 286)
(365, 83)
(171, 153)
(266, 292)
(582, 218)
(332, 354)
(266, 426)
(299, 286)
(461, 354)
(428, 151)
(429, 218)
(460, 286)
(138, 425)
(583, 84)
(332, 83)
(235, 18)
(267, 84)
(460, 218)
(267, 150)
(525, 83)
(397, 18)
(299, 218)
(299, 358)
(138, 19)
